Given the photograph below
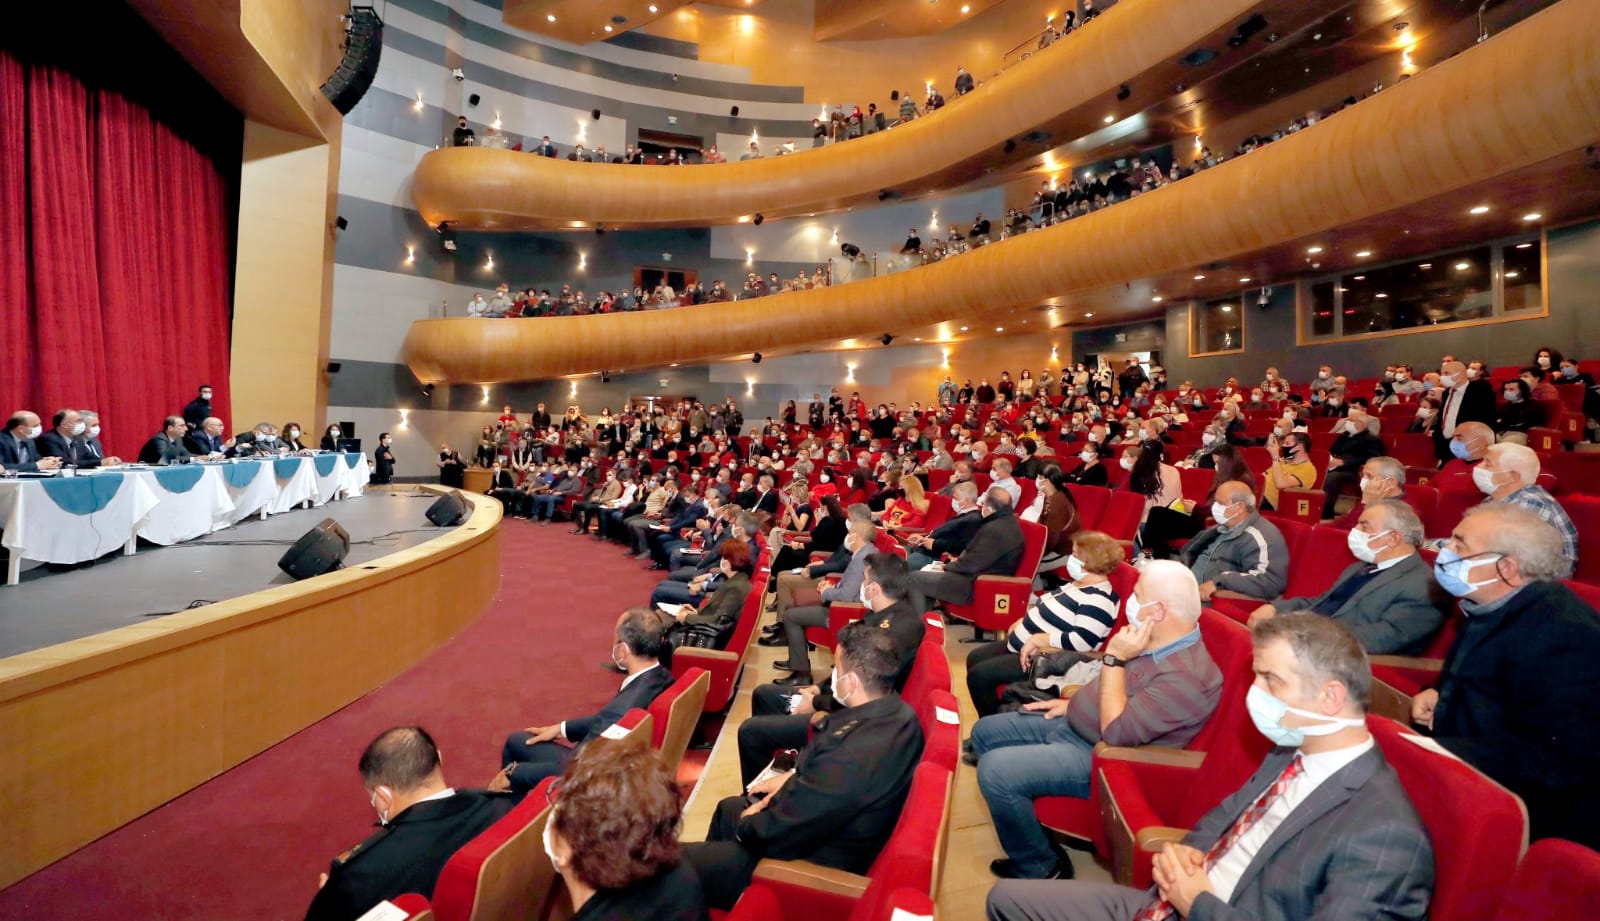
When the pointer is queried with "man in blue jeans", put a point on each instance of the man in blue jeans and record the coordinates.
(545, 503)
(1157, 685)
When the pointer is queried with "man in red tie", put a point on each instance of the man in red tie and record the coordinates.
(1323, 830)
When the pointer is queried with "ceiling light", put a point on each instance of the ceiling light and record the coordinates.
(1380, 295)
(652, 7)
(1532, 216)
(1156, 299)
(916, 338)
(608, 28)
(1479, 209)
(1227, 308)
(1245, 280)
(551, 17)
(1360, 278)
(1463, 266)
(1110, 118)
(963, 329)
(1523, 245)
(1513, 274)
(1313, 250)
(1425, 266)
(1364, 254)
(1087, 315)
(999, 329)
(1199, 277)
(965, 8)
(744, 218)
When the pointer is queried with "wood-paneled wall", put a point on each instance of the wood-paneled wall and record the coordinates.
(105, 728)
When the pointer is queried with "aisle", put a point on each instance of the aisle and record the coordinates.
(250, 843)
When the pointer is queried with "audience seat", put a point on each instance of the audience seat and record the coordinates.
(1447, 511)
(1413, 449)
(1422, 499)
(725, 665)
(910, 859)
(840, 613)
(1120, 520)
(877, 903)
(1295, 534)
(1302, 505)
(930, 671)
(1478, 828)
(940, 716)
(415, 907)
(1544, 439)
(1321, 558)
(1584, 510)
(675, 712)
(1556, 879)
(1572, 423)
(1196, 483)
(1091, 502)
(504, 872)
(997, 601)
(1229, 727)
(1575, 471)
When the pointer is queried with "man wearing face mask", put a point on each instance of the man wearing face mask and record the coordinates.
(1381, 478)
(951, 537)
(995, 549)
(197, 409)
(1356, 443)
(1291, 466)
(537, 752)
(1323, 383)
(1156, 685)
(19, 452)
(1323, 828)
(166, 446)
(1509, 475)
(425, 821)
(1389, 599)
(1242, 552)
(66, 440)
(1465, 400)
(839, 805)
(961, 472)
(858, 540)
(1519, 696)
(782, 714)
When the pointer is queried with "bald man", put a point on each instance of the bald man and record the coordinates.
(1465, 400)
(1242, 552)
(18, 452)
(1509, 475)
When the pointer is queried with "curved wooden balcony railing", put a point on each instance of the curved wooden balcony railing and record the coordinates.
(1523, 98)
(1066, 90)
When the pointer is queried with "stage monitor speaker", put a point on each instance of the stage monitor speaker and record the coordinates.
(363, 46)
(321, 550)
(448, 510)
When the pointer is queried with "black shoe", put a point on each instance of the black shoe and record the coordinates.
(969, 757)
(1004, 869)
(788, 666)
(775, 639)
(655, 567)
(796, 680)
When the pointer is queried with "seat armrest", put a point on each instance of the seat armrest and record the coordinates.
(1003, 582)
(1239, 596)
(808, 875)
(1156, 755)
(1409, 662)
(1150, 839)
(693, 656)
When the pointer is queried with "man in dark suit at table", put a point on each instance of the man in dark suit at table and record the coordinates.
(1323, 830)
(996, 549)
(18, 451)
(424, 823)
(69, 440)
(535, 753)
(1389, 600)
(166, 446)
(94, 453)
(207, 440)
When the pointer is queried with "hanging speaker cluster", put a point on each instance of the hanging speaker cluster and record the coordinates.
(363, 45)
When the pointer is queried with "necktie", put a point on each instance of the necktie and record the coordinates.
(1161, 909)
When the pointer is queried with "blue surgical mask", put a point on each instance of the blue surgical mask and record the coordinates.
(1267, 712)
(1450, 568)
(1460, 450)
(1569, 371)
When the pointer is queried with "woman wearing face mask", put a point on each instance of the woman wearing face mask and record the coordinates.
(1203, 457)
(721, 610)
(1165, 525)
(330, 437)
(824, 537)
(1427, 416)
(1076, 616)
(1518, 413)
(1092, 472)
(612, 834)
(1546, 359)
(1059, 515)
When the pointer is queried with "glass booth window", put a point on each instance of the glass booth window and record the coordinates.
(1216, 326)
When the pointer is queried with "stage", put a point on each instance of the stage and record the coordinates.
(54, 607)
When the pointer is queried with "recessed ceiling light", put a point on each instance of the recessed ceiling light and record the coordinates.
(965, 8)
(1463, 266)
(1087, 315)
(963, 329)
(744, 218)
(1523, 245)
(551, 17)
(1513, 274)
(1227, 308)
(1360, 278)
(608, 28)
(1199, 277)
(916, 338)
(999, 329)
(1110, 118)
(1245, 280)
(1479, 209)
(1425, 266)
(1364, 254)
(1532, 216)
(1156, 299)
(652, 7)
(1380, 295)
(1313, 250)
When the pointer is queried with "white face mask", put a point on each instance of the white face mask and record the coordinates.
(1075, 568)
(1088, 457)
(1472, 375)
(1449, 380)
(36, 431)
(334, 433)
(1094, 437)
(1483, 478)
(1127, 463)
(1131, 611)
(1366, 483)
(1361, 544)
(1219, 511)
(94, 431)
(864, 599)
(1208, 438)
(78, 429)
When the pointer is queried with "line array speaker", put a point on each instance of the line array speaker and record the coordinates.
(363, 46)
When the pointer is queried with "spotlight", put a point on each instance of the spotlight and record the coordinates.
(894, 95)
(340, 222)
(734, 111)
(599, 230)
(594, 114)
(1123, 92)
(458, 74)
(427, 390)
(1009, 146)
(756, 358)
(605, 377)
(886, 338)
(757, 219)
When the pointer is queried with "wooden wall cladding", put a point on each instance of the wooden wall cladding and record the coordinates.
(1524, 97)
(481, 188)
(105, 728)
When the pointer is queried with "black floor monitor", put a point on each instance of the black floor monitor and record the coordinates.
(320, 550)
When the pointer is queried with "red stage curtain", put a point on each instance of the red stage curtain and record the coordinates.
(114, 273)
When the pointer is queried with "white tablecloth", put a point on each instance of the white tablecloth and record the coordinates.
(134, 503)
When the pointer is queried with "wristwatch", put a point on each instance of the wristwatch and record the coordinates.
(1110, 661)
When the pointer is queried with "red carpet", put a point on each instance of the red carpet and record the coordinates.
(251, 843)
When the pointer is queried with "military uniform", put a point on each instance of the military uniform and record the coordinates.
(406, 855)
(837, 810)
(771, 727)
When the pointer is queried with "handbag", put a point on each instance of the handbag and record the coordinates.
(699, 636)
(1037, 684)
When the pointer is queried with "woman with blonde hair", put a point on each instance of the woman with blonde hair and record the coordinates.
(911, 509)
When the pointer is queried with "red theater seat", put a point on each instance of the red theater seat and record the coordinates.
(997, 601)
(675, 712)
(1295, 535)
(877, 903)
(1556, 879)
(1120, 520)
(1475, 847)
(1091, 502)
(930, 671)
(725, 665)
(1585, 514)
(940, 716)
(416, 907)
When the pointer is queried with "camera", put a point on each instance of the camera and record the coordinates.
(458, 74)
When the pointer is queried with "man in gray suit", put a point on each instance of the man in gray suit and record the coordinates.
(859, 540)
(1322, 830)
(996, 549)
(1389, 600)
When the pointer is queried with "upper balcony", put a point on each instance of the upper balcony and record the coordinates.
(1415, 157)
(1124, 62)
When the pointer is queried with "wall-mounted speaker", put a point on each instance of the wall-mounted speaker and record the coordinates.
(595, 114)
(474, 99)
(334, 366)
(734, 111)
(362, 48)
(320, 550)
